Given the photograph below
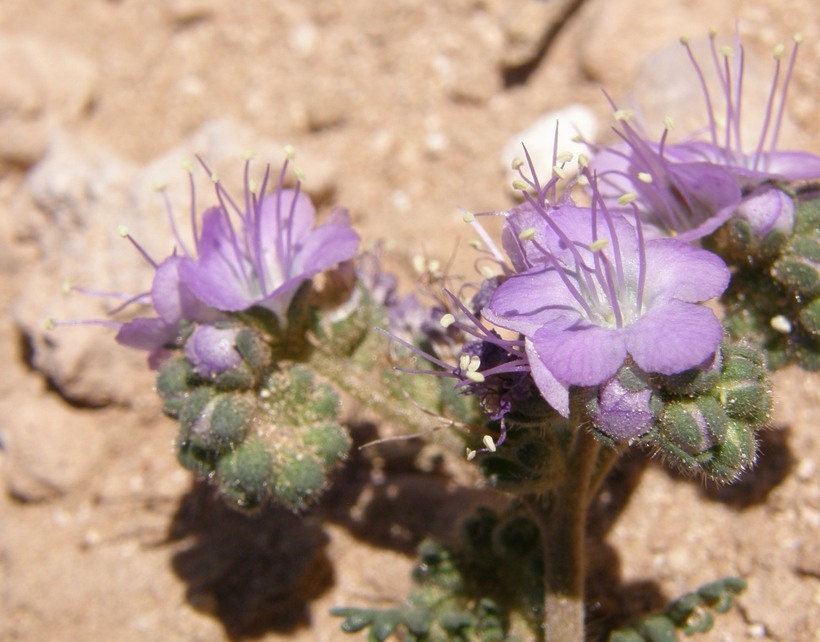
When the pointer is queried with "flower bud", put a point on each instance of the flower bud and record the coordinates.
(736, 454)
(330, 443)
(244, 475)
(175, 381)
(297, 479)
(695, 426)
(621, 409)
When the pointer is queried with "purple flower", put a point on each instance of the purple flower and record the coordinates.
(260, 255)
(691, 188)
(590, 292)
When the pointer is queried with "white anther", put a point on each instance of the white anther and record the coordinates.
(467, 216)
(447, 320)
(626, 199)
(778, 50)
(598, 245)
(564, 157)
(122, 231)
(781, 324)
(470, 454)
(669, 123)
(559, 172)
(475, 377)
(517, 163)
(645, 177)
(464, 362)
(290, 151)
(583, 160)
(474, 365)
(489, 443)
(623, 114)
(519, 185)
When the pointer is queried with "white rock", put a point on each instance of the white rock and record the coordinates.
(539, 138)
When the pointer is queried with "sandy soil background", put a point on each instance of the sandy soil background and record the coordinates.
(399, 111)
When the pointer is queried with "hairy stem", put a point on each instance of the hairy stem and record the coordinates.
(561, 516)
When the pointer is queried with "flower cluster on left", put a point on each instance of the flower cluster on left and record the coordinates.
(230, 331)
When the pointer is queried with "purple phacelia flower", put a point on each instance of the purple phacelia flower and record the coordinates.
(691, 188)
(589, 292)
(271, 249)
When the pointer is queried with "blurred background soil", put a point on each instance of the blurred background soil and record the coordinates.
(398, 111)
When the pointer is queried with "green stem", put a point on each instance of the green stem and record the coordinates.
(367, 387)
(561, 516)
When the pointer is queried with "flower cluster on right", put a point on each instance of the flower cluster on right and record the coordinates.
(604, 304)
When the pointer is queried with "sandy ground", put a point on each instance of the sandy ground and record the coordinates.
(398, 111)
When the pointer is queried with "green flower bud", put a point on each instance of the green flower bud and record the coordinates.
(175, 381)
(200, 461)
(746, 400)
(810, 318)
(298, 479)
(798, 275)
(742, 363)
(230, 419)
(245, 475)
(254, 351)
(736, 454)
(330, 442)
(694, 426)
(193, 414)
(530, 461)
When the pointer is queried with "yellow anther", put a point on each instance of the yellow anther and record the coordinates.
(248, 155)
(476, 245)
(626, 199)
(122, 231)
(489, 443)
(418, 264)
(798, 38)
(290, 152)
(559, 172)
(252, 186)
(564, 157)
(645, 177)
(299, 174)
(517, 163)
(599, 244)
(486, 271)
(65, 286)
(684, 40)
(778, 50)
(467, 216)
(158, 186)
(188, 165)
(519, 185)
(582, 180)
(669, 123)
(526, 235)
(475, 377)
(623, 114)
(447, 320)
(49, 324)
(464, 362)
(214, 177)
(727, 51)
(583, 160)
(474, 365)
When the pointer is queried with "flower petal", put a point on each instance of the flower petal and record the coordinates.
(677, 270)
(525, 302)
(582, 354)
(674, 337)
(554, 392)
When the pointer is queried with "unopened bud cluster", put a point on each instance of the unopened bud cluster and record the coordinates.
(774, 296)
(260, 430)
(702, 420)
